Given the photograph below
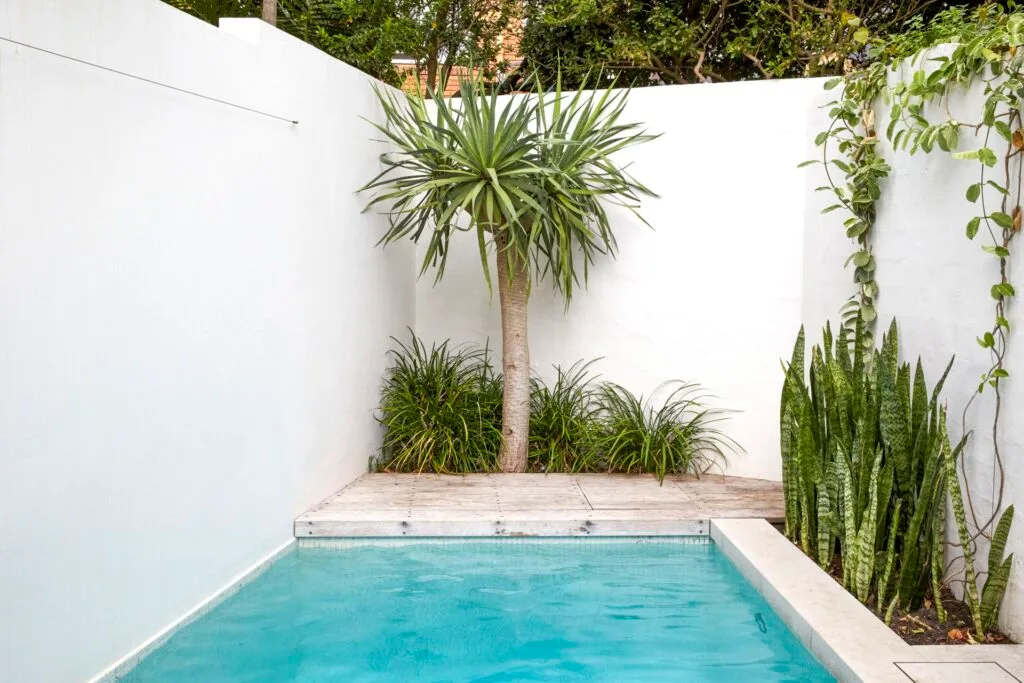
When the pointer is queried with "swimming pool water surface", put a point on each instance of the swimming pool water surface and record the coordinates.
(588, 610)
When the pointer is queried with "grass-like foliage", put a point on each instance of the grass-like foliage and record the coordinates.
(677, 436)
(441, 410)
(563, 421)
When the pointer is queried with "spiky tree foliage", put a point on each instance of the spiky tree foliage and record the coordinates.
(531, 177)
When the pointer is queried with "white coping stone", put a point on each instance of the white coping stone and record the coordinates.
(850, 641)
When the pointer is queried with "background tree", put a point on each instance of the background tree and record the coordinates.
(364, 33)
(458, 32)
(652, 42)
(823, 37)
(212, 10)
(640, 42)
(532, 178)
(369, 34)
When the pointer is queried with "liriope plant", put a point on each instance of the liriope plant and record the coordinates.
(863, 474)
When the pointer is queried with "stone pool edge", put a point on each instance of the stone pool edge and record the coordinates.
(847, 638)
(122, 666)
(850, 641)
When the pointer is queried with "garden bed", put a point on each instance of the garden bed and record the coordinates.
(922, 626)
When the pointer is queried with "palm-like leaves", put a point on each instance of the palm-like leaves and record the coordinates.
(532, 173)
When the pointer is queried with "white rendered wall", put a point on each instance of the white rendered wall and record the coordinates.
(936, 283)
(193, 316)
(712, 294)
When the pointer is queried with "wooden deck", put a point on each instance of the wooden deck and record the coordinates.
(392, 505)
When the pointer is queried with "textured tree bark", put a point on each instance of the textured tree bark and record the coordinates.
(270, 12)
(513, 291)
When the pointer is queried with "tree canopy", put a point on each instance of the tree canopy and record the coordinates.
(646, 42)
(640, 42)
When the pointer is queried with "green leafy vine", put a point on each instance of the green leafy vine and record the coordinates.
(986, 51)
(852, 132)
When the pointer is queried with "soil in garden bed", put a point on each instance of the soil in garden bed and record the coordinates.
(922, 627)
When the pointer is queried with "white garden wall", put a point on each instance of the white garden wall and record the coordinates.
(936, 283)
(712, 293)
(193, 316)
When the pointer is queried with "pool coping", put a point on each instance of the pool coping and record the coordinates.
(122, 666)
(846, 637)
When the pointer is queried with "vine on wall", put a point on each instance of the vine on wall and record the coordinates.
(989, 50)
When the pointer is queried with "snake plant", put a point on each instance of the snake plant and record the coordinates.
(867, 466)
(862, 464)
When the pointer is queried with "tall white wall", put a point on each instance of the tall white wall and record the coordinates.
(712, 294)
(936, 284)
(193, 316)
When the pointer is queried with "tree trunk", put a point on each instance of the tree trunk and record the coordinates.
(513, 290)
(270, 12)
(431, 81)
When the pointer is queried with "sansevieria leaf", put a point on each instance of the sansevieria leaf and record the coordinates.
(998, 571)
(866, 537)
(992, 594)
(890, 555)
(960, 517)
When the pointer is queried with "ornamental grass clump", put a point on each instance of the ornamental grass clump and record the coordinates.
(563, 421)
(677, 436)
(441, 410)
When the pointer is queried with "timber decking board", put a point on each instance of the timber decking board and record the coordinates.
(536, 505)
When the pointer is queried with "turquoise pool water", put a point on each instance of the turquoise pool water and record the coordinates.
(587, 610)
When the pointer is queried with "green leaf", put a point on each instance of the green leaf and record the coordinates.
(1001, 252)
(808, 163)
(969, 154)
(973, 192)
(997, 187)
(832, 83)
(1001, 219)
(820, 138)
(972, 227)
(1004, 130)
(992, 594)
(1003, 289)
(987, 156)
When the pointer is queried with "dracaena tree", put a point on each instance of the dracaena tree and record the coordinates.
(531, 177)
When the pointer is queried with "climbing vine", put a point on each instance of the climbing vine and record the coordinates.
(920, 78)
(851, 131)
